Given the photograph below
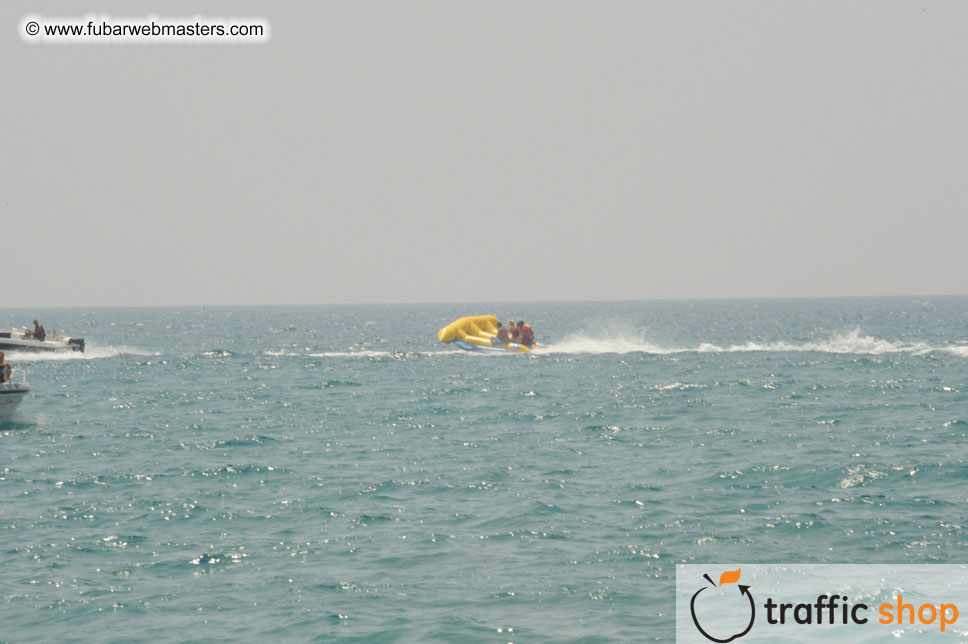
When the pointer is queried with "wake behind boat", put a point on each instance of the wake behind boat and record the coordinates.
(23, 340)
(480, 333)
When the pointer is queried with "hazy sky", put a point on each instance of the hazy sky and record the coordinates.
(480, 151)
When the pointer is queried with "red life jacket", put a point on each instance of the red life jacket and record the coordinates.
(527, 335)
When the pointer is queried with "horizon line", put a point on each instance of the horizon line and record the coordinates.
(482, 302)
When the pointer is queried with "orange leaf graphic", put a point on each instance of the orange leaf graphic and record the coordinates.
(729, 577)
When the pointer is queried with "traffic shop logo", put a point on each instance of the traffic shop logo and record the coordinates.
(744, 603)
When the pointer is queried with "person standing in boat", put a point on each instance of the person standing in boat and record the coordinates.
(38, 332)
(5, 370)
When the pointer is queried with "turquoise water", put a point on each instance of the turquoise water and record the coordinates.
(335, 474)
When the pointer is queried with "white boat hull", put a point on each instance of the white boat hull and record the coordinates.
(19, 340)
(11, 393)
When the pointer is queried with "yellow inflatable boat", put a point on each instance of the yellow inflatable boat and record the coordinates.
(479, 333)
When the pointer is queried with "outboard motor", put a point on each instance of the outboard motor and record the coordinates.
(77, 344)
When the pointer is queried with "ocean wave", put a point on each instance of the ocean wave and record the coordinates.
(218, 353)
(851, 342)
(615, 344)
(362, 353)
(91, 353)
(960, 350)
(365, 353)
(859, 475)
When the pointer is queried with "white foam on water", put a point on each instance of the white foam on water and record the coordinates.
(859, 475)
(364, 353)
(850, 342)
(619, 343)
(91, 353)
(956, 350)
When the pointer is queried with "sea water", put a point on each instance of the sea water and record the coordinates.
(335, 474)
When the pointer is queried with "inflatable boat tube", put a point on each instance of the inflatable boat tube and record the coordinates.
(479, 333)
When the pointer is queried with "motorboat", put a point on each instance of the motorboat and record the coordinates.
(23, 340)
(479, 333)
(11, 393)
